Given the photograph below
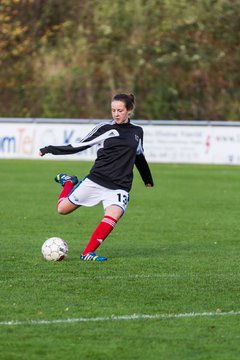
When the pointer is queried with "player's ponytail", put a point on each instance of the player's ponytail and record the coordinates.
(132, 97)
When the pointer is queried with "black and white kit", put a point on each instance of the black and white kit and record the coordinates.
(120, 147)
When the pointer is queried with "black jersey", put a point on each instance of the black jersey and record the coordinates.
(119, 148)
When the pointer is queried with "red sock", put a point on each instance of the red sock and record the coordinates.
(68, 186)
(99, 235)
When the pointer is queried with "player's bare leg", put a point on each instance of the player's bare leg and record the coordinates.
(65, 206)
(114, 211)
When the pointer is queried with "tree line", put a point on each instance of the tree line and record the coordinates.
(65, 59)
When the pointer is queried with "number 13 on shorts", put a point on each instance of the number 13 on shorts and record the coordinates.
(122, 199)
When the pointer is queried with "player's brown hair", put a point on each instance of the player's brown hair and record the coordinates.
(127, 99)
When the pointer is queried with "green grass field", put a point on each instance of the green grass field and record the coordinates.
(175, 253)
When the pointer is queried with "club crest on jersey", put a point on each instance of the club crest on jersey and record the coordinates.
(136, 137)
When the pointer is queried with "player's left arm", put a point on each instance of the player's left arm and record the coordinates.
(142, 165)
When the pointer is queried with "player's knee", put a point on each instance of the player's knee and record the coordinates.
(65, 207)
(61, 209)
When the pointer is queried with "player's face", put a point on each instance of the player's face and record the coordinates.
(119, 112)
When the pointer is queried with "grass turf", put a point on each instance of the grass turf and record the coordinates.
(174, 252)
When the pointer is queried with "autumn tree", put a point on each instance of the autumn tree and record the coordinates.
(66, 58)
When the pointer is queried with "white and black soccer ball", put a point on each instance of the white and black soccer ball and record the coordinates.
(54, 249)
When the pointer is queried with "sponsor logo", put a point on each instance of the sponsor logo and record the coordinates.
(22, 142)
(8, 144)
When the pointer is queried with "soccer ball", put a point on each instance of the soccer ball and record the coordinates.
(54, 249)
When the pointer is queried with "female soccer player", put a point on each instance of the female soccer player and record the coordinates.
(110, 179)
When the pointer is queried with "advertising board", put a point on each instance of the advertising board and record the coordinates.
(197, 144)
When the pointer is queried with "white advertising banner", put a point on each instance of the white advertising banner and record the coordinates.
(193, 144)
(199, 144)
(25, 140)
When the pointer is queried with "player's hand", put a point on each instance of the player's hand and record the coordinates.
(149, 185)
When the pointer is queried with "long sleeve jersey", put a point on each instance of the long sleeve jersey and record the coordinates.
(119, 148)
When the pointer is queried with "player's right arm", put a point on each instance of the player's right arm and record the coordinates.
(61, 150)
(97, 135)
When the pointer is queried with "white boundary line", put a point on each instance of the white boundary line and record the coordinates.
(126, 276)
(119, 317)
